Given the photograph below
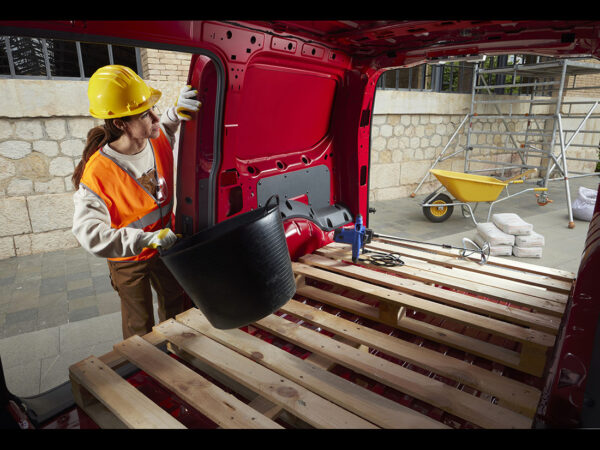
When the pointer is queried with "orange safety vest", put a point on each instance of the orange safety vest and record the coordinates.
(128, 202)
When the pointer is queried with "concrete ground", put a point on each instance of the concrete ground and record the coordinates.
(58, 308)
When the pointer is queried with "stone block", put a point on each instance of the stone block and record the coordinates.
(399, 130)
(14, 218)
(379, 119)
(61, 166)
(72, 147)
(7, 247)
(78, 128)
(35, 98)
(32, 166)
(15, 149)
(54, 186)
(50, 212)
(384, 175)
(56, 129)
(386, 130)
(29, 129)
(7, 128)
(22, 244)
(378, 144)
(7, 168)
(52, 241)
(413, 171)
(48, 148)
(19, 186)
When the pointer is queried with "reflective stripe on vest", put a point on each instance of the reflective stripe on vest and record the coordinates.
(128, 202)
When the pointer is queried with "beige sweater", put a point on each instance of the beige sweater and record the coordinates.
(91, 219)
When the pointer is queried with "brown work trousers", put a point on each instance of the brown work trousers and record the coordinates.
(133, 281)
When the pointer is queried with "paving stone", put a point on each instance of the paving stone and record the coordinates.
(80, 283)
(83, 313)
(81, 275)
(52, 285)
(83, 292)
(22, 315)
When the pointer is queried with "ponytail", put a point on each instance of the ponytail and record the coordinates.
(97, 137)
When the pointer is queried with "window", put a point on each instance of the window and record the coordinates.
(450, 77)
(458, 76)
(25, 57)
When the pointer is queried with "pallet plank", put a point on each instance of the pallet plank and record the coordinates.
(477, 283)
(296, 399)
(467, 265)
(434, 392)
(513, 394)
(539, 321)
(558, 274)
(417, 284)
(373, 407)
(459, 341)
(222, 408)
(341, 278)
(125, 402)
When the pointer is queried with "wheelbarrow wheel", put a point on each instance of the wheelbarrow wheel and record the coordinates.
(442, 211)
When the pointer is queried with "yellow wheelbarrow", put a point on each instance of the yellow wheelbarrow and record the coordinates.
(469, 188)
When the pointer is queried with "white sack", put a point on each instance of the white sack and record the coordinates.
(495, 250)
(530, 240)
(512, 224)
(527, 252)
(492, 234)
(583, 206)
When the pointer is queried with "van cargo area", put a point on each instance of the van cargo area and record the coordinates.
(438, 341)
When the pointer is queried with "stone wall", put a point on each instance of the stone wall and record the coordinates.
(43, 128)
(411, 129)
(164, 65)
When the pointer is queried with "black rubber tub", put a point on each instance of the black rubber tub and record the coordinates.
(238, 271)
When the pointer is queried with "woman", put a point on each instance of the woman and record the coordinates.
(124, 192)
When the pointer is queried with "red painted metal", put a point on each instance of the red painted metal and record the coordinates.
(565, 394)
(299, 94)
(304, 236)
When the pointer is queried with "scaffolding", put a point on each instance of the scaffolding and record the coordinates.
(550, 122)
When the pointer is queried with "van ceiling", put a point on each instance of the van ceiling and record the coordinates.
(438, 39)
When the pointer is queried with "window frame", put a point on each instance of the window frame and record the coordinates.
(6, 42)
(432, 75)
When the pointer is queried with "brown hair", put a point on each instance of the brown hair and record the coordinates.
(97, 137)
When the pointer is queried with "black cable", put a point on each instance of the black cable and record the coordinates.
(383, 259)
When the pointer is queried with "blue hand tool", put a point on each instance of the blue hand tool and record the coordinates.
(357, 236)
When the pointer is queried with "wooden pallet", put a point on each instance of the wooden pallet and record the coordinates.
(277, 384)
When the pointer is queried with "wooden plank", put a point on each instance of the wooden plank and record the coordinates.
(558, 274)
(539, 321)
(517, 396)
(469, 281)
(465, 264)
(129, 405)
(486, 324)
(459, 341)
(434, 392)
(114, 359)
(417, 284)
(371, 406)
(99, 413)
(296, 399)
(222, 408)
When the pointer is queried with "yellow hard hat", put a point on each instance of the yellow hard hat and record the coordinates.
(117, 91)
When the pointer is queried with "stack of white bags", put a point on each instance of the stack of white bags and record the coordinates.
(508, 234)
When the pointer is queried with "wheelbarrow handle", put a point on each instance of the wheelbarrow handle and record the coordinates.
(516, 177)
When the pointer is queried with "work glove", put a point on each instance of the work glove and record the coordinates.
(164, 238)
(187, 104)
